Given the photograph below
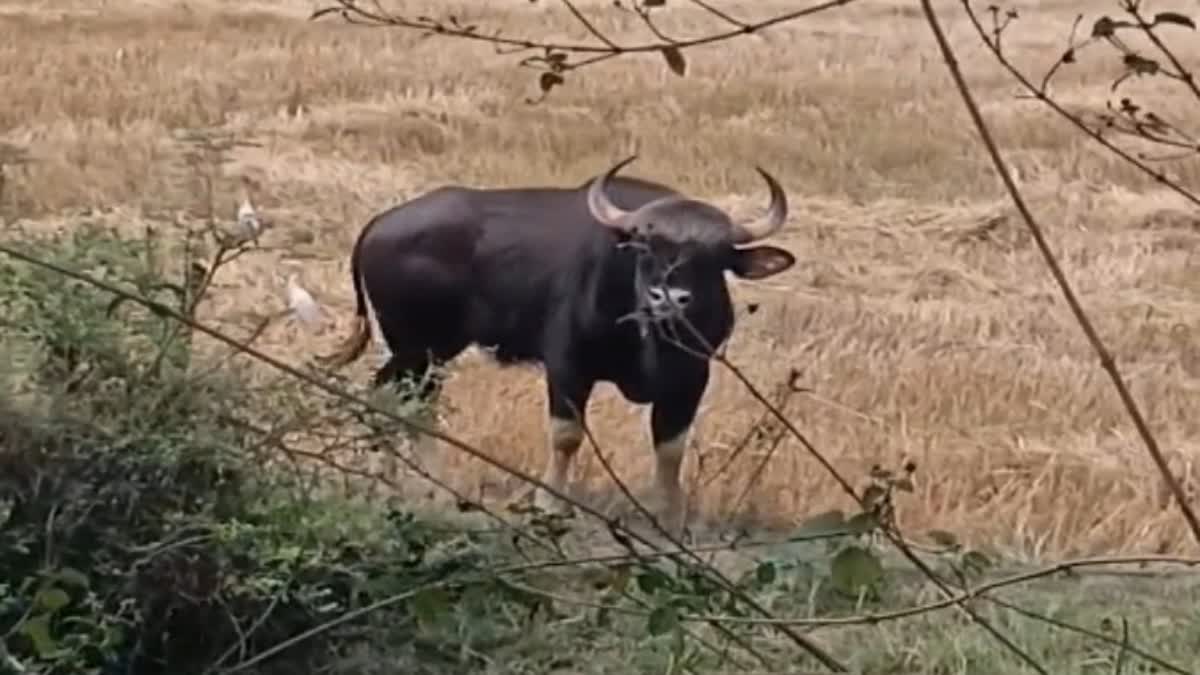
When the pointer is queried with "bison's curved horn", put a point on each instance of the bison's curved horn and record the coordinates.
(768, 224)
(602, 208)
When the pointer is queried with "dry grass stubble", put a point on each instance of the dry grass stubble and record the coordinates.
(918, 314)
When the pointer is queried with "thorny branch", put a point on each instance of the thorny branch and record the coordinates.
(416, 427)
(554, 61)
(518, 533)
(878, 513)
(721, 579)
(1106, 29)
(980, 592)
(555, 58)
(273, 435)
(875, 501)
(360, 612)
(878, 505)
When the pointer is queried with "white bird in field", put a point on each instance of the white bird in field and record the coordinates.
(248, 224)
(301, 303)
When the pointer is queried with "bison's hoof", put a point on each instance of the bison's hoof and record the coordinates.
(550, 504)
(674, 522)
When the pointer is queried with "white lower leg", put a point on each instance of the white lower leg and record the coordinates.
(668, 460)
(564, 439)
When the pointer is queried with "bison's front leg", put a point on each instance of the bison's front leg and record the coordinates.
(671, 421)
(567, 397)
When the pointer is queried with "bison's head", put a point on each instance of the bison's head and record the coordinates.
(686, 245)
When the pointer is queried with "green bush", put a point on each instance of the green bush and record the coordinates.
(148, 523)
(138, 531)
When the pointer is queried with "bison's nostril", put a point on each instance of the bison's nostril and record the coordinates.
(661, 296)
(665, 297)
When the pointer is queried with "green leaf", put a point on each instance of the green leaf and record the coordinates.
(675, 60)
(853, 568)
(548, 80)
(663, 619)
(766, 573)
(862, 523)
(71, 576)
(822, 523)
(651, 580)
(1140, 64)
(429, 606)
(976, 561)
(51, 599)
(1175, 18)
(37, 629)
(620, 578)
(1106, 27)
(943, 538)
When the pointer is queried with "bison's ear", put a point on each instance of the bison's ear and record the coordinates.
(760, 262)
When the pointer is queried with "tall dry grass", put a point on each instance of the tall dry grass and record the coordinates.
(919, 314)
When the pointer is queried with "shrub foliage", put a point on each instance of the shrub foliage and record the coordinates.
(136, 535)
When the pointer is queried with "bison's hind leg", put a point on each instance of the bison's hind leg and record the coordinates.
(418, 378)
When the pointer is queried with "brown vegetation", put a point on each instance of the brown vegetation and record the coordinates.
(919, 314)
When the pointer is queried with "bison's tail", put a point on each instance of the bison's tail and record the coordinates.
(352, 347)
(360, 334)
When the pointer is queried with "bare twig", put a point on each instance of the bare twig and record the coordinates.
(339, 620)
(1080, 630)
(1042, 95)
(1106, 360)
(517, 532)
(712, 572)
(979, 592)
(724, 16)
(591, 28)
(884, 516)
(554, 57)
(1133, 7)
(556, 60)
(350, 8)
(413, 426)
